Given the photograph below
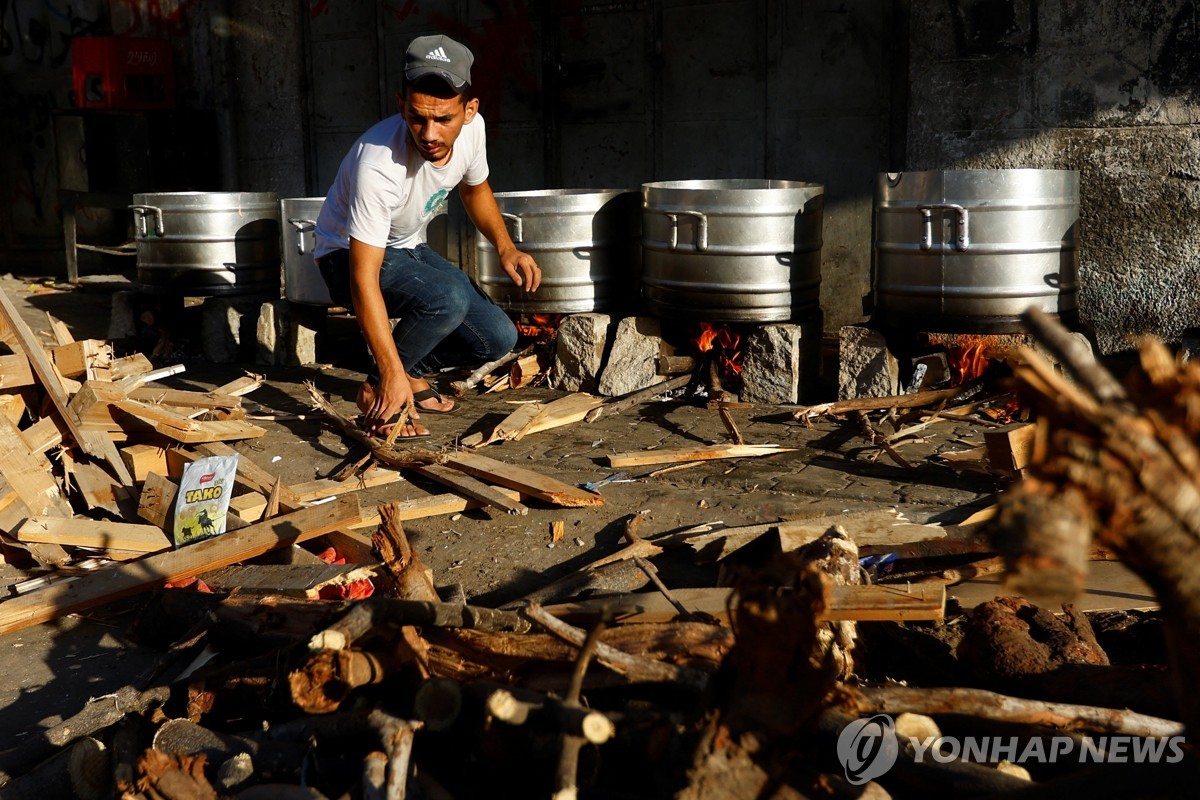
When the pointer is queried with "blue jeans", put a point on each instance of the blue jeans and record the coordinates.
(445, 320)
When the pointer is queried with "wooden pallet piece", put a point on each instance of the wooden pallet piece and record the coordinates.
(471, 487)
(29, 474)
(705, 453)
(82, 358)
(15, 372)
(326, 487)
(94, 444)
(44, 434)
(151, 572)
(142, 459)
(179, 397)
(157, 501)
(96, 534)
(523, 480)
(96, 486)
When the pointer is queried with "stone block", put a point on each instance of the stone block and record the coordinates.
(579, 351)
(866, 368)
(225, 325)
(272, 330)
(772, 370)
(633, 361)
(121, 323)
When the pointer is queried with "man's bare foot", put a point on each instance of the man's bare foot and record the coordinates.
(365, 399)
(429, 399)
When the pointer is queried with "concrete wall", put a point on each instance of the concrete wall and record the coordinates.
(1107, 87)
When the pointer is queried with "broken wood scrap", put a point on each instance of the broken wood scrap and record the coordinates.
(154, 395)
(366, 615)
(220, 430)
(328, 487)
(112, 583)
(94, 445)
(1001, 708)
(45, 434)
(523, 371)
(411, 579)
(82, 358)
(394, 456)
(434, 506)
(15, 372)
(472, 488)
(525, 481)
(564, 411)
(95, 534)
(289, 580)
(240, 386)
(637, 398)
(914, 400)
(703, 453)
(30, 475)
(507, 428)
(859, 603)
(142, 459)
(471, 381)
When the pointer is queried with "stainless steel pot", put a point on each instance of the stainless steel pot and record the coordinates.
(207, 243)
(732, 250)
(584, 240)
(968, 251)
(302, 281)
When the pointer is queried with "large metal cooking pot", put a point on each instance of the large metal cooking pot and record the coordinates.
(584, 240)
(302, 281)
(207, 243)
(968, 251)
(732, 250)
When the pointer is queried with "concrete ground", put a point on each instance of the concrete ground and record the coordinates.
(53, 668)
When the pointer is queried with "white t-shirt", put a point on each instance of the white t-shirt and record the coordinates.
(385, 193)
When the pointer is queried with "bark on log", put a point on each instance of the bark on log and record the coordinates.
(369, 614)
(1001, 708)
(411, 579)
(328, 678)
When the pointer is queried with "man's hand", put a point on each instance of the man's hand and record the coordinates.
(521, 267)
(392, 394)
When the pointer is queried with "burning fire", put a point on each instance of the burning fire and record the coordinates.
(724, 344)
(968, 361)
(539, 326)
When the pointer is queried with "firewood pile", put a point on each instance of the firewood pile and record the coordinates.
(346, 668)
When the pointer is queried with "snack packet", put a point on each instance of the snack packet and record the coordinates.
(203, 499)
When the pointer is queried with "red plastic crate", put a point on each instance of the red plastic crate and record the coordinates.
(122, 72)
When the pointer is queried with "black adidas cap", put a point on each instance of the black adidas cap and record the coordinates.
(438, 55)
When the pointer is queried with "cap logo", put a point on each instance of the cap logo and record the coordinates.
(438, 54)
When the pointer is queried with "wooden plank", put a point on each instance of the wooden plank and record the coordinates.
(563, 411)
(157, 502)
(294, 580)
(74, 360)
(179, 397)
(142, 459)
(432, 506)
(156, 415)
(44, 434)
(470, 487)
(325, 487)
(15, 372)
(93, 444)
(355, 547)
(29, 474)
(704, 453)
(249, 474)
(1010, 450)
(212, 431)
(249, 506)
(525, 481)
(241, 386)
(905, 602)
(151, 572)
(98, 534)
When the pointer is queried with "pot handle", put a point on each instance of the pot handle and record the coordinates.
(962, 241)
(701, 243)
(518, 225)
(302, 227)
(139, 219)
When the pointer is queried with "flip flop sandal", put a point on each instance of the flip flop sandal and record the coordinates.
(431, 394)
(399, 437)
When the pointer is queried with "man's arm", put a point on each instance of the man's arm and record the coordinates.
(483, 211)
(394, 391)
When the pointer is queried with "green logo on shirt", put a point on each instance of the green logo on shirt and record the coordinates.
(436, 200)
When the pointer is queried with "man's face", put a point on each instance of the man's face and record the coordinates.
(435, 122)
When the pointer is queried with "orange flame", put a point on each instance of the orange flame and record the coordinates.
(539, 326)
(968, 361)
(726, 341)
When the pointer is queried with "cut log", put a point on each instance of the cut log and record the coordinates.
(525, 481)
(705, 453)
(96, 534)
(366, 615)
(112, 583)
